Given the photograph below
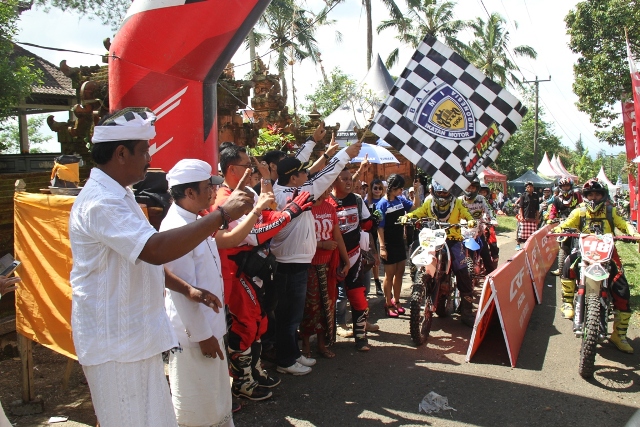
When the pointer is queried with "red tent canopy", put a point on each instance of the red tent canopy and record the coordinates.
(491, 175)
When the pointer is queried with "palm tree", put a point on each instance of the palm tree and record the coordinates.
(489, 51)
(425, 17)
(290, 31)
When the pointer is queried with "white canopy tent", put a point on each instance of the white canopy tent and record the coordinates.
(602, 177)
(559, 167)
(379, 82)
(546, 168)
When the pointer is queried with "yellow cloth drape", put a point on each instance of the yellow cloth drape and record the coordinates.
(70, 172)
(43, 299)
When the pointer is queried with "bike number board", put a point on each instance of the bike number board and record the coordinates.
(596, 248)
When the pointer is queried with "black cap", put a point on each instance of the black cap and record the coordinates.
(290, 165)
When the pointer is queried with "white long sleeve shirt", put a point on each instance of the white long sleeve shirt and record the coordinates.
(194, 322)
(296, 243)
(117, 310)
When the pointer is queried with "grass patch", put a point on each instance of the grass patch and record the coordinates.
(630, 258)
(506, 224)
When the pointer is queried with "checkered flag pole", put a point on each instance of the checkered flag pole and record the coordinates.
(446, 117)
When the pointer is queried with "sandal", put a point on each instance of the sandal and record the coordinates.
(326, 353)
(400, 309)
(390, 311)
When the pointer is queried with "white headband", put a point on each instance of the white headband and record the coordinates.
(131, 123)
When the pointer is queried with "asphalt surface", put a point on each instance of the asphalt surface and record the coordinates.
(385, 386)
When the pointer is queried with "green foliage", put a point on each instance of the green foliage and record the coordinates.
(10, 135)
(425, 17)
(516, 156)
(596, 30)
(16, 73)
(109, 12)
(489, 51)
(272, 138)
(330, 95)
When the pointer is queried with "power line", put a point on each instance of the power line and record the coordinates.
(58, 49)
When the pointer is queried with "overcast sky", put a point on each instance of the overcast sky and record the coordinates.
(540, 24)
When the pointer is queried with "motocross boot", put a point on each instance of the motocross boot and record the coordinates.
(243, 383)
(360, 328)
(619, 335)
(258, 373)
(467, 316)
(568, 290)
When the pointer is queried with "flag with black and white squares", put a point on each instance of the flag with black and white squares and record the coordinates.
(446, 117)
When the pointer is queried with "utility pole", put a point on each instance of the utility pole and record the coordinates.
(535, 129)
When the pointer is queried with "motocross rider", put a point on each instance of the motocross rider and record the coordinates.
(444, 207)
(479, 209)
(485, 192)
(595, 210)
(563, 204)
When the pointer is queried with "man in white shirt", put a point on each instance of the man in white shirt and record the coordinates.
(119, 324)
(294, 247)
(198, 373)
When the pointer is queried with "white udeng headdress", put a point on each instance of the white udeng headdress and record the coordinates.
(131, 123)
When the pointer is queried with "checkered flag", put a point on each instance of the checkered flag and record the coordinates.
(446, 117)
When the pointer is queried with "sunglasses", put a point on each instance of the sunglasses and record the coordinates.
(376, 188)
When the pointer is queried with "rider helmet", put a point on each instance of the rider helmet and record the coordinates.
(441, 196)
(564, 182)
(474, 193)
(594, 186)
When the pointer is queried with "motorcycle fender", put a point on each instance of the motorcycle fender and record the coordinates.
(592, 286)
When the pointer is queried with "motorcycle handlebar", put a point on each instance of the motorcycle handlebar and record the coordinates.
(430, 223)
(625, 237)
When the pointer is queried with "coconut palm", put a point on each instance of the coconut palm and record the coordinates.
(425, 17)
(489, 51)
(290, 31)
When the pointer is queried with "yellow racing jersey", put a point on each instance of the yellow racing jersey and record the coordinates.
(456, 212)
(573, 220)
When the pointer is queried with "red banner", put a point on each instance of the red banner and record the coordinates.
(508, 291)
(635, 85)
(542, 252)
(632, 140)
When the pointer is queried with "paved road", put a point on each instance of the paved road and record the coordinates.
(386, 385)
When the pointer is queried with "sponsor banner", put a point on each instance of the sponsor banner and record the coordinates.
(512, 298)
(486, 310)
(630, 129)
(446, 117)
(541, 252)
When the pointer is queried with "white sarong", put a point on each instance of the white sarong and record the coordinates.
(132, 394)
(200, 389)
(4, 422)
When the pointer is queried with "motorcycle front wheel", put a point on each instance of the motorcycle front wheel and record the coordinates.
(420, 316)
(448, 300)
(589, 336)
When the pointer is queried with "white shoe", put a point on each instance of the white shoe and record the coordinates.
(295, 369)
(305, 361)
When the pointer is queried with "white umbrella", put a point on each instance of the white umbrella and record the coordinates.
(375, 154)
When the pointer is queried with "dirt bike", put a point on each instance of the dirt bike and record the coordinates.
(566, 248)
(593, 301)
(475, 264)
(433, 289)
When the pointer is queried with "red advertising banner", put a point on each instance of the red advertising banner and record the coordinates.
(629, 122)
(541, 252)
(632, 140)
(512, 298)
